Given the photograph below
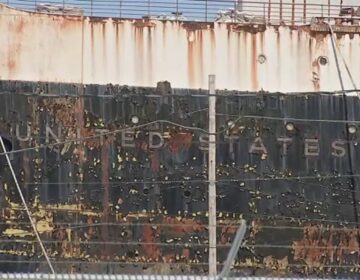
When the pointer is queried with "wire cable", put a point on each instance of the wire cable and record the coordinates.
(353, 184)
(113, 132)
(26, 207)
(106, 134)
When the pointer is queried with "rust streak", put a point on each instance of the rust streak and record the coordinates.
(191, 63)
(149, 236)
(254, 80)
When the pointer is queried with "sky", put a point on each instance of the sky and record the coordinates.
(192, 9)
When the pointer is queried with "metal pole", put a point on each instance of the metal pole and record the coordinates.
(304, 19)
(32, 222)
(264, 9)
(269, 10)
(329, 5)
(206, 8)
(281, 2)
(91, 7)
(293, 12)
(120, 12)
(234, 249)
(212, 177)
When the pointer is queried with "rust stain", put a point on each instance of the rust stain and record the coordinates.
(11, 64)
(184, 225)
(321, 246)
(149, 236)
(249, 28)
(20, 26)
(104, 54)
(179, 141)
(200, 54)
(139, 58)
(278, 49)
(191, 35)
(194, 26)
(149, 55)
(155, 161)
(254, 79)
(67, 22)
(142, 23)
(164, 34)
(262, 37)
(117, 46)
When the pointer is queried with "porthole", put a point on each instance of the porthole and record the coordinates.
(323, 60)
(261, 59)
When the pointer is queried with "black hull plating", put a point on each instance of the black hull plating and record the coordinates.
(121, 204)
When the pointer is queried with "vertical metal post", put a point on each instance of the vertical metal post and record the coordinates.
(120, 9)
(239, 5)
(212, 178)
(269, 10)
(281, 2)
(234, 250)
(264, 13)
(293, 12)
(206, 10)
(304, 18)
(149, 5)
(177, 8)
(329, 6)
(91, 7)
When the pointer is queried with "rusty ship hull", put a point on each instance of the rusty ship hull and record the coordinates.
(124, 202)
(116, 176)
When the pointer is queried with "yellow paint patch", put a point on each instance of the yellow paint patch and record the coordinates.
(17, 232)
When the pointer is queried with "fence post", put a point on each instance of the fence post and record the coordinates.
(329, 5)
(177, 8)
(91, 7)
(304, 11)
(281, 2)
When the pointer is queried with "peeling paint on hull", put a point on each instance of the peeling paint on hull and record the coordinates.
(154, 201)
(50, 48)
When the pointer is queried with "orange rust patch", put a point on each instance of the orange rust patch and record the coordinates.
(179, 141)
(149, 236)
(321, 246)
(20, 26)
(184, 226)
